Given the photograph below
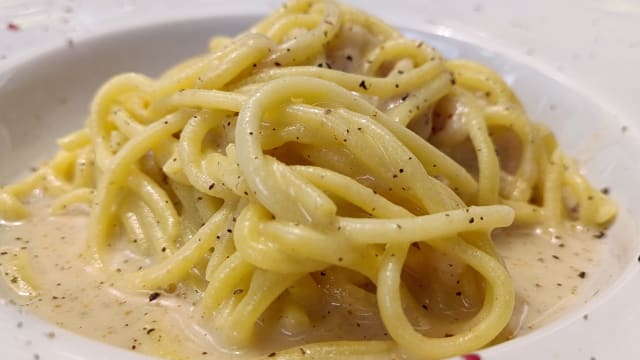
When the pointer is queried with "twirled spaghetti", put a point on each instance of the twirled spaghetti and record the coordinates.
(320, 152)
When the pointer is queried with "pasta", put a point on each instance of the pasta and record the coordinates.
(319, 152)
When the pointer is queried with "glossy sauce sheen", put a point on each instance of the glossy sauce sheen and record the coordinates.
(549, 271)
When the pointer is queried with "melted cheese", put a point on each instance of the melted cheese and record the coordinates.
(549, 269)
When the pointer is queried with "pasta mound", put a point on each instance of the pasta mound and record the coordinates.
(319, 157)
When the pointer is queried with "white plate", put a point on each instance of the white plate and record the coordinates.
(46, 83)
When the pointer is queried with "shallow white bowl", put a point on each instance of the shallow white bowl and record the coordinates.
(47, 96)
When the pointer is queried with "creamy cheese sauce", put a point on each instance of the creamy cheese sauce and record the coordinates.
(549, 270)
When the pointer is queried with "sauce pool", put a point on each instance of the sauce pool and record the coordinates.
(550, 269)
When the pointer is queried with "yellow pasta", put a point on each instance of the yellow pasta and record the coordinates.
(320, 142)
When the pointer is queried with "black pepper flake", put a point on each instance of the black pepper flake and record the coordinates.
(271, 354)
(599, 235)
(349, 58)
(582, 275)
(322, 273)
(238, 291)
(404, 97)
(605, 190)
(363, 85)
(212, 186)
(154, 295)
(472, 220)
(277, 64)
(150, 331)
(458, 293)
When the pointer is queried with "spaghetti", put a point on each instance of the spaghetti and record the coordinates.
(320, 144)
